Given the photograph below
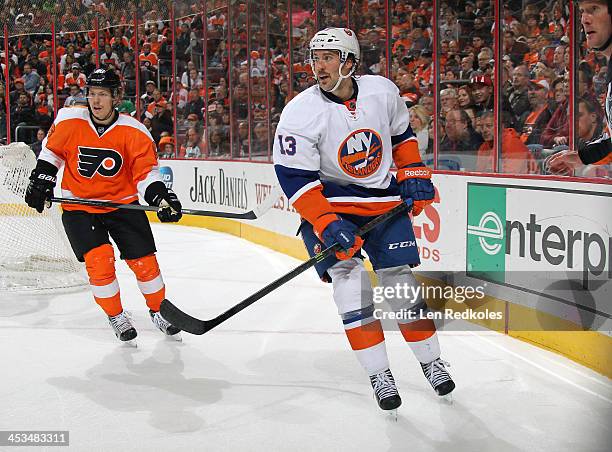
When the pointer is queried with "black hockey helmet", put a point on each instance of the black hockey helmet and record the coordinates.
(104, 78)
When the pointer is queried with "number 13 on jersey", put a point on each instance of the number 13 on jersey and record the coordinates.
(287, 145)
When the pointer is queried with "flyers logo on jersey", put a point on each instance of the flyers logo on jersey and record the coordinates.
(360, 155)
(105, 162)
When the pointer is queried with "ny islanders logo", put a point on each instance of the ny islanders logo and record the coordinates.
(106, 162)
(360, 155)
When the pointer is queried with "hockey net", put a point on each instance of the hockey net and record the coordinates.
(35, 254)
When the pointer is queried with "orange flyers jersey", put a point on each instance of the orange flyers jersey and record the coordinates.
(115, 166)
(148, 60)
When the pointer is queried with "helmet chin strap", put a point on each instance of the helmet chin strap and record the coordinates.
(340, 78)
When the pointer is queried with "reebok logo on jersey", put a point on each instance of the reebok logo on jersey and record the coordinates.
(360, 155)
(105, 162)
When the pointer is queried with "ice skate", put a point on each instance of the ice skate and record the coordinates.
(123, 328)
(165, 327)
(439, 378)
(385, 392)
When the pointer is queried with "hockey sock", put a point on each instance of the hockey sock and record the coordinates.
(367, 339)
(418, 331)
(422, 338)
(353, 297)
(149, 280)
(100, 265)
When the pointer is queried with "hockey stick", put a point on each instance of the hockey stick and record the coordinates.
(196, 326)
(257, 212)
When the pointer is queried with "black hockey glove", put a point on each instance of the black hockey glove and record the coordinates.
(169, 205)
(40, 188)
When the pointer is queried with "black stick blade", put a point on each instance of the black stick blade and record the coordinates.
(182, 320)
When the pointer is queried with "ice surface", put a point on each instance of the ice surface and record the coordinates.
(277, 376)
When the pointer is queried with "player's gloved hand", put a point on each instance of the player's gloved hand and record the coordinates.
(415, 186)
(342, 232)
(40, 189)
(169, 208)
(169, 205)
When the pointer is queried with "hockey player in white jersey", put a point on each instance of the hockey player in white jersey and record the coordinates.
(333, 151)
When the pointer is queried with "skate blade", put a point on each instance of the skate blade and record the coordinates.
(448, 398)
(130, 344)
(391, 415)
(175, 337)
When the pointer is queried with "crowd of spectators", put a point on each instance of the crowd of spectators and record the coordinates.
(234, 72)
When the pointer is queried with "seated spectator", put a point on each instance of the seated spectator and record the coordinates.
(182, 96)
(484, 60)
(193, 146)
(558, 65)
(591, 127)
(158, 100)
(109, 58)
(428, 104)
(482, 90)
(185, 76)
(533, 121)
(147, 97)
(518, 94)
(218, 145)
(19, 89)
(448, 100)
(71, 56)
(127, 71)
(194, 80)
(241, 143)
(419, 121)
(556, 132)
(37, 145)
(149, 63)
(165, 147)
(465, 99)
(37, 65)
(76, 97)
(192, 120)
(161, 120)
(195, 104)
(259, 143)
(467, 67)
(31, 79)
(460, 134)
(515, 49)
(75, 77)
(590, 122)
(22, 114)
(516, 158)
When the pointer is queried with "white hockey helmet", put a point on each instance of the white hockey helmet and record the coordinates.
(343, 40)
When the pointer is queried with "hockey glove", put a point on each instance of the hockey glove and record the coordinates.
(40, 188)
(169, 205)
(416, 187)
(342, 232)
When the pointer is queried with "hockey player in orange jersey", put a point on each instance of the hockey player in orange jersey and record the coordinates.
(110, 157)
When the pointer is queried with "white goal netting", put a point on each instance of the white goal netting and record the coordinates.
(34, 251)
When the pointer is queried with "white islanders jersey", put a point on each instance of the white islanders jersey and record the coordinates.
(346, 148)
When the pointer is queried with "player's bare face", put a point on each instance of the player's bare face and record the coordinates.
(326, 64)
(596, 23)
(101, 104)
